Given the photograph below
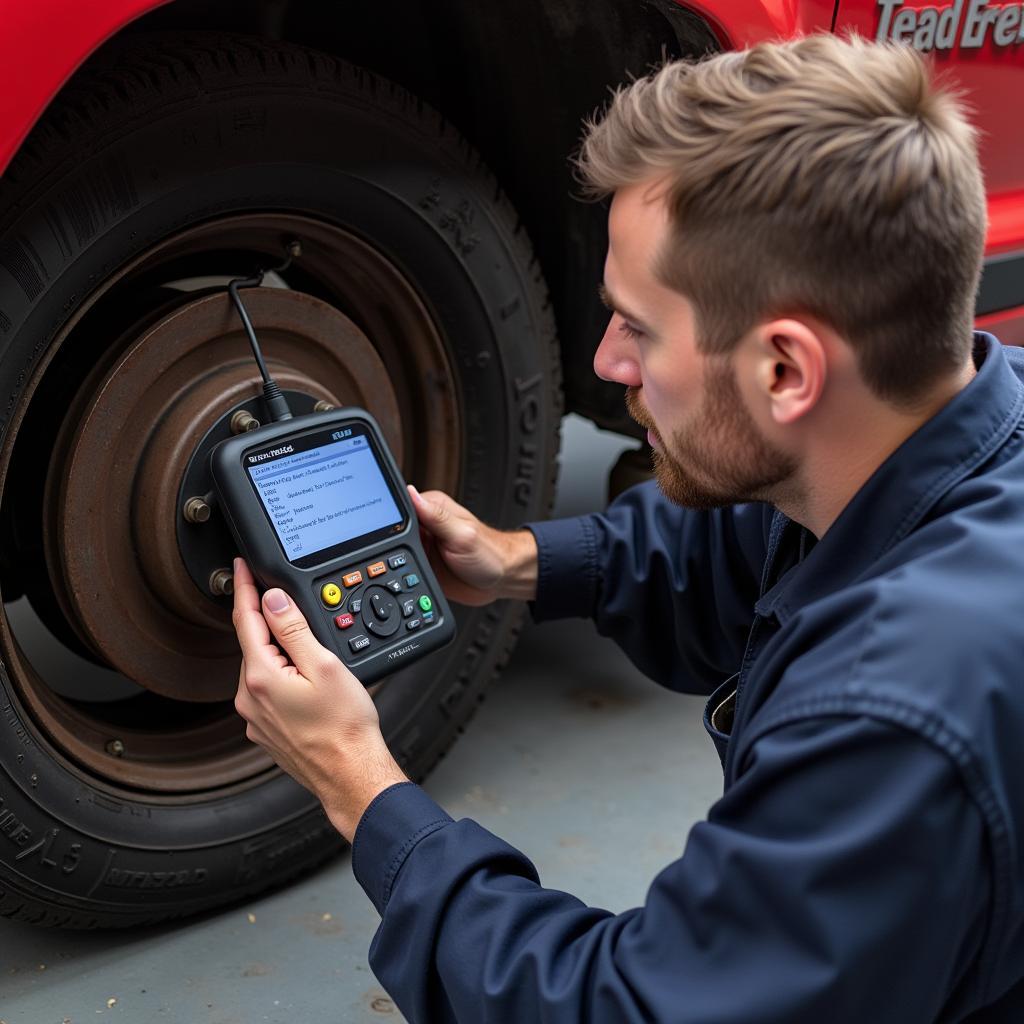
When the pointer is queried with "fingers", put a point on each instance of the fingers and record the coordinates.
(292, 630)
(253, 635)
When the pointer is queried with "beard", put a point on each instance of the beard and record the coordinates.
(720, 457)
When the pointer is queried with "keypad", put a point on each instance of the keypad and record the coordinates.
(372, 601)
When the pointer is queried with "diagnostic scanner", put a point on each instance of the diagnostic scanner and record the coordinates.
(319, 509)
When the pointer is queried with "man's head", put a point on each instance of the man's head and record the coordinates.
(775, 212)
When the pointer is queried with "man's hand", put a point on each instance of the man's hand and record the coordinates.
(474, 563)
(311, 715)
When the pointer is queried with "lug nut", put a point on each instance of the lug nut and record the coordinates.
(196, 510)
(222, 582)
(115, 747)
(294, 248)
(323, 406)
(242, 421)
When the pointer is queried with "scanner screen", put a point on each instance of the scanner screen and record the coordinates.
(321, 497)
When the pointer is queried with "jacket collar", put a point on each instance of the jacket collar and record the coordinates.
(936, 457)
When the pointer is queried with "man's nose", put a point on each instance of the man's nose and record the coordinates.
(615, 358)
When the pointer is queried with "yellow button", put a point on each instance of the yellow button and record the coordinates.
(330, 593)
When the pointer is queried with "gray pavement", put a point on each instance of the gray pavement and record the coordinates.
(593, 771)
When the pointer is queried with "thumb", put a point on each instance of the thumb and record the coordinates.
(292, 631)
(440, 516)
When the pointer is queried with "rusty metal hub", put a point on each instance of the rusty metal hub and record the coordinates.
(116, 546)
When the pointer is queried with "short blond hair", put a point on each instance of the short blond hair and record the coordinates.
(821, 175)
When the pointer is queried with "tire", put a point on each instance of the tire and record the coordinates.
(161, 139)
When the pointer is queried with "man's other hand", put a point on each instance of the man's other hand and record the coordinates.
(307, 710)
(474, 563)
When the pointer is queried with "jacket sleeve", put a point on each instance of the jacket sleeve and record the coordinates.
(842, 878)
(674, 587)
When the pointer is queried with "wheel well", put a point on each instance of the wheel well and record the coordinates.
(517, 80)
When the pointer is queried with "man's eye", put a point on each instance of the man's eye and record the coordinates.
(626, 328)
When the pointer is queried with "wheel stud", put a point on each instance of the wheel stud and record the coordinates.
(196, 510)
(243, 421)
(115, 747)
(222, 582)
(323, 406)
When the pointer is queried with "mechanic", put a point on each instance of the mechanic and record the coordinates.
(833, 550)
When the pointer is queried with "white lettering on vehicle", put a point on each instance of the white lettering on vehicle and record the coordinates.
(966, 23)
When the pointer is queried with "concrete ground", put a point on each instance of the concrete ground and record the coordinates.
(592, 770)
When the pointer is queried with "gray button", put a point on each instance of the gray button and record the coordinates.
(382, 607)
(384, 628)
(408, 607)
(396, 561)
(357, 643)
(394, 586)
(413, 624)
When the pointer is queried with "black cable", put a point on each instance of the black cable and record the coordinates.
(277, 404)
(233, 286)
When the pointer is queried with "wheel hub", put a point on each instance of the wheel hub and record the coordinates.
(114, 544)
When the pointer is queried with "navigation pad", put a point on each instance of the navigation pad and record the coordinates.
(380, 612)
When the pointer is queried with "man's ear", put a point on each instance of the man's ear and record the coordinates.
(790, 367)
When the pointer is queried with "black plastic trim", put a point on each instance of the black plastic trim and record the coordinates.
(1002, 284)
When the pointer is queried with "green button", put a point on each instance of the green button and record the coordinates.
(425, 603)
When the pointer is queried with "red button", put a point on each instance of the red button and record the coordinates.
(344, 620)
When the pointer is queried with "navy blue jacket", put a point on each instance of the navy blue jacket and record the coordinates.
(864, 863)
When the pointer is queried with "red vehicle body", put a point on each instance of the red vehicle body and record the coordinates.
(152, 150)
(43, 43)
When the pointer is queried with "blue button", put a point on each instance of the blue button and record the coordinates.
(410, 579)
(428, 617)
